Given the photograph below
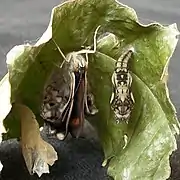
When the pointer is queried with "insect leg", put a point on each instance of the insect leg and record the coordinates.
(67, 110)
(88, 50)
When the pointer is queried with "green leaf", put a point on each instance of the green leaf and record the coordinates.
(153, 123)
(139, 149)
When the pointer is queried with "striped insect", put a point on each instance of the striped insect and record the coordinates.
(122, 100)
(72, 117)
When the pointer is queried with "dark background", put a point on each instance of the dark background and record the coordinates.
(24, 21)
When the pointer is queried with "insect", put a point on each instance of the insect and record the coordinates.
(122, 100)
(71, 117)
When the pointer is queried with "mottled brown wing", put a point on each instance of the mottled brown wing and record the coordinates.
(61, 124)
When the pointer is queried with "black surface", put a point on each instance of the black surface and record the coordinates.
(22, 20)
(78, 160)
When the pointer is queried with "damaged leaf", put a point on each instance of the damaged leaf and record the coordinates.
(37, 153)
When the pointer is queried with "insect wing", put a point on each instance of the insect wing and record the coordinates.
(77, 114)
(68, 110)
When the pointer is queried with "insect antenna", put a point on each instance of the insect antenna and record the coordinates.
(62, 54)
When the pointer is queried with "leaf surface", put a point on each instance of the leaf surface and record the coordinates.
(139, 149)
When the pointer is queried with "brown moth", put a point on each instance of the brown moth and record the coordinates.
(122, 100)
(71, 117)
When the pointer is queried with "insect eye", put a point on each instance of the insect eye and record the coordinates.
(52, 104)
